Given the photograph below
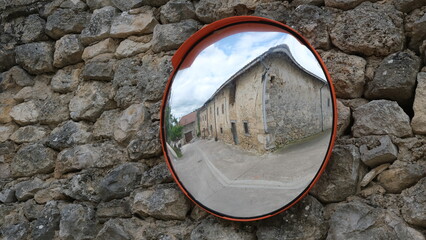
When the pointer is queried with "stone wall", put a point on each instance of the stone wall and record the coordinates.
(81, 85)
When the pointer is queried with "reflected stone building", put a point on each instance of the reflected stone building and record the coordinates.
(269, 103)
(189, 124)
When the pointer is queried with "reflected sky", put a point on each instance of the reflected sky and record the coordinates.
(218, 62)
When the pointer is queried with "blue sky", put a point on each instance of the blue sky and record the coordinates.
(192, 86)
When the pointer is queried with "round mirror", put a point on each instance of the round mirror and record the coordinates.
(248, 118)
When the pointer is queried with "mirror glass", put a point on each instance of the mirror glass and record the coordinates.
(248, 120)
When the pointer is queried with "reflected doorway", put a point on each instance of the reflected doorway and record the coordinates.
(234, 132)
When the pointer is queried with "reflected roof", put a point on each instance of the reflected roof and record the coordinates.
(187, 119)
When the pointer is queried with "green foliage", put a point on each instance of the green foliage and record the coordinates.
(173, 129)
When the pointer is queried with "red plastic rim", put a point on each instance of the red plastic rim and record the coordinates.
(190, 49)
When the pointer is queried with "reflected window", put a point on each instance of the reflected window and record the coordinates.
(328, 102)
(223, 109)
(217, 111)
(221, 130)
(246, 127)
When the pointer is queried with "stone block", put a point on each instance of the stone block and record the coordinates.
(127, 24)
(36, 57)
(418, 122)
(68, 50)
(386, 152)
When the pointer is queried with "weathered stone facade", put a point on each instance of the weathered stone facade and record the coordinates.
(269, 103)
(79, 150)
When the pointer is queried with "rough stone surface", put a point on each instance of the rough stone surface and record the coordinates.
(396, 179)
(90, 99)
(373, 173)
(129, 122)
(65, 21)
(364, 222)
(98, 155)
(33, 29)
(414, 200)
(344, 4)
(26, 190)
(36, 58)
(418, 122)
(7, 59)
(113, 209)
(163, 202)
(171, 36)
(6, 131)
(176, 11)
(415, 24)
(106, 46)
(211, 10)
(340, 179)
(408, 5)
(278, 11)
(68, 51)
(67, 79)
(101, 71)
(99, 25)
(380, 117)
(386, 152)
(68, 135)
(95, 4)
(211, 228)
(33, 159)
(120, 182)
(344, 118)
(303, 221)
(146, 144)
(104, 126)
(128, 48)
(127, 24)
(45, 226)
(156, 175)
(369, 29)
(124, 5)
(347, 72)
(7, 196)
(83, 186)
(395, 78)
(18, 76)
(29, 134)
(77, 222)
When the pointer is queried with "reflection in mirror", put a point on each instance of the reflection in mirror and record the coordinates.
(248, 122)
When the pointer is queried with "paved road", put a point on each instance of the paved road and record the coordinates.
(240, 183)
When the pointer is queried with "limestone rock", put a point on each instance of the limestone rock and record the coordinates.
(77, 222)
(414, 200)
(6, 131)
(54, 110)
(33, 29)
(16, 75)
(209, 11)
(51, 193)
(102, 71)
(36, 57)
(98, 155)
(68, 51)
(91, 98)
(171, 36)
(121, 229)
(7, 59)
(386, 152)
(344, 118)
(415, 24)
(99, 25)
(129, 122)
(29, 134)
(106, 46)
(395, 78)
(145, 144)
(104, 126)
(419, 120)
(33, 159)
(278, 11)
(312, 22)
(380, 117)
(95, 4)
(347, 72)
(127, 24)
(120, 182)
(40, 91)
(305, 220)
(307, 2)
(25, 190)
(340, 179)
(46, 225)
(125, 5)
(74, 4)
(373, 173)
(129, 48)
(68, 135)
(66, 21)
(84, 186)
(344, 4)
(67, 79)
(211, 228)
(164, 202)
(369, 29)
(365, 222)
(25, 113)
(176, 11)
(128, 95)
(16, 231)
(408, 5)
(7, 196)
(156, 175)
(396, 179)
(113, 209)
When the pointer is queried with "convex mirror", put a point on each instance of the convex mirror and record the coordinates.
(248, 118)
